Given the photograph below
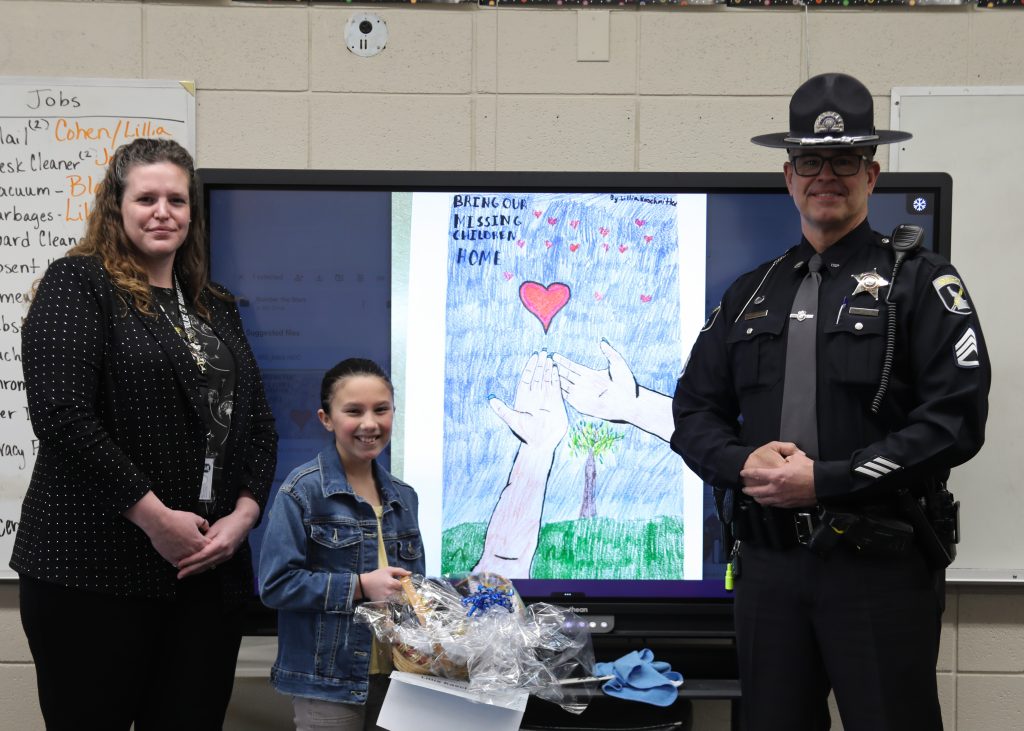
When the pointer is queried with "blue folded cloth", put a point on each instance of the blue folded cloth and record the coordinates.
(637, 676)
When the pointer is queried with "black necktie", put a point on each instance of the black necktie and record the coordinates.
(799, 397)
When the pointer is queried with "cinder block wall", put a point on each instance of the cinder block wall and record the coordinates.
(475, 88)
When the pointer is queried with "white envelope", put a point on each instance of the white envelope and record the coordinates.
(426, 703)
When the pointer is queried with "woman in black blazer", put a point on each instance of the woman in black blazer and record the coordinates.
(156, 453)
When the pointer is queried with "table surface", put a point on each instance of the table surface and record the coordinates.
(257, 655)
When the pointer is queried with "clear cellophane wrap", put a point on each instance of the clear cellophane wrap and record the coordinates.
(475, 627)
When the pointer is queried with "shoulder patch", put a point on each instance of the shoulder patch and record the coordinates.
(966, 349)
(710, 323)
(951, 293)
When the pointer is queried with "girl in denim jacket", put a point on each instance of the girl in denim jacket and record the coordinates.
(341, 530)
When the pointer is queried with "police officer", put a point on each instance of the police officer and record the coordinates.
(830, 466)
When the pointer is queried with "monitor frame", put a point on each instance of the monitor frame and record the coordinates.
(513, 181)
(681, 616)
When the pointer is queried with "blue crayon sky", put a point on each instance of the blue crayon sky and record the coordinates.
(625, 268)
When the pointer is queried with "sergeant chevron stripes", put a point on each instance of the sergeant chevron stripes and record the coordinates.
(877, 467)
(966, 349)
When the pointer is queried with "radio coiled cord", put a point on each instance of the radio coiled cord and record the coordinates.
(890, 341)
(905, 240)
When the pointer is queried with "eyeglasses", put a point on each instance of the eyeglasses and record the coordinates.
(842, 165)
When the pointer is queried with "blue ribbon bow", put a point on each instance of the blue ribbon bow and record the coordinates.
(486, 597)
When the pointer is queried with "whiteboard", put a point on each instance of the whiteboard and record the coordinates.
(56, 138)
(973, 134)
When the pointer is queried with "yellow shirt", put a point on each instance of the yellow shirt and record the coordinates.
(380, 654)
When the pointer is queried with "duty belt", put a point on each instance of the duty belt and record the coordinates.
(821, 530)
(777, 527)
(805, 523)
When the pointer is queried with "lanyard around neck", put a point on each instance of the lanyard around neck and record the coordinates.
(195, 348)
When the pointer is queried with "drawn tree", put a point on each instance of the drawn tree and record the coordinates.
(593, 439)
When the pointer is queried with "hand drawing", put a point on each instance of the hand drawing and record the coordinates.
(538, 419)
(614, 395)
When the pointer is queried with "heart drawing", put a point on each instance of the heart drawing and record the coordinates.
(301, 417)
(544, 302)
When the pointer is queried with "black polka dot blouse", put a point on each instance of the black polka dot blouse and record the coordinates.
(115, 403)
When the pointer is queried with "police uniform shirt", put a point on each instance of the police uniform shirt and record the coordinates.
(728, 400)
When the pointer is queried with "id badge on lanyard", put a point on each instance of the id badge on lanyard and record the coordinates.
(206, 488)
(206, 497)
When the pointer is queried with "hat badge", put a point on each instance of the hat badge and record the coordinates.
(829, 122)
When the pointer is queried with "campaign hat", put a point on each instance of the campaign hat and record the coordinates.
(831, 111)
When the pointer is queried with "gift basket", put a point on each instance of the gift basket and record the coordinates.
(475, 627)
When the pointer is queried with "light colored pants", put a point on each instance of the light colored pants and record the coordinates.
(317, 715)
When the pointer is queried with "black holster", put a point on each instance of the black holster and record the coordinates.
(868, 534)
(935, 516)
(724, 502)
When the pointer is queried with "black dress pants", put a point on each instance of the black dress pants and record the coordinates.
(865, 627)
(104, 662)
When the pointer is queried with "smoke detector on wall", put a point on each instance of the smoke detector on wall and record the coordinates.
(366, 34)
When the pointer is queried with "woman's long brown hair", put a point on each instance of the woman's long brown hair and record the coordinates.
(105, 237)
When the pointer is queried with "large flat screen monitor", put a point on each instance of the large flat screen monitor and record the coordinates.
(534, 325)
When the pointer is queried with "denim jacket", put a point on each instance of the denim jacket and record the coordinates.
(319, 536)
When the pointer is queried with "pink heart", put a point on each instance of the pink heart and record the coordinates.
(574, 224)
(639, 222)
(603, 231)
(552, 221)
(520, 243)
(645, 298)
(648, 238)
(598, 296)
(300, 417)
(573, 247)
(508, 276)
(537, 214)
(544, 302)
(622, 249)
(548, 244)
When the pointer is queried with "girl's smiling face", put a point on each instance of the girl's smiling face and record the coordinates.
(361, 415)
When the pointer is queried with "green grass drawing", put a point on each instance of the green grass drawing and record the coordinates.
(592, 548)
